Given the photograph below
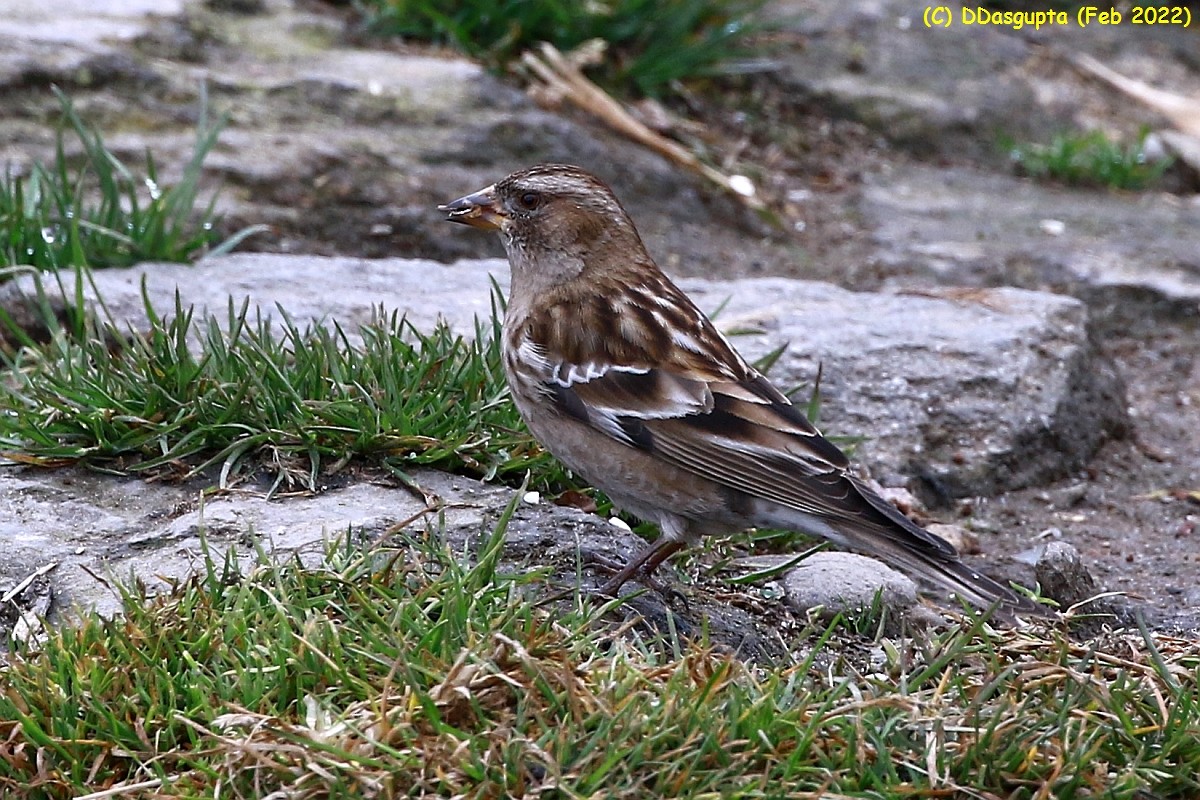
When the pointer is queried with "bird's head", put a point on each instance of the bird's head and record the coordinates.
(553, 217)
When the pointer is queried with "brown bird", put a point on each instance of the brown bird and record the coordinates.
(618, 374)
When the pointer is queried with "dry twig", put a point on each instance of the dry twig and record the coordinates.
(1181, 110)
(559, 77)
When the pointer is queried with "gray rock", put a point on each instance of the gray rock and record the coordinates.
(68, 534)
(79, 23)
(968, 394)
(965, 394)
(955, 90)
(1062, 576)
(97, 526)
(340, 149)
(1132, 258)
(877, 63)
(309, 288)
(848, 583)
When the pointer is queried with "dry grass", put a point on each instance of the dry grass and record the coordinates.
(405, 672)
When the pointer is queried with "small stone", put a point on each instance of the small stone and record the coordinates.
(742, 185)
(963, 540)
(531, 498)
(1062, 576)
(1053, 227)
(847, 583)
(619, 524)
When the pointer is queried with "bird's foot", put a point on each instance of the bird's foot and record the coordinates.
(622, 573)
(641, 568)
(606, 591)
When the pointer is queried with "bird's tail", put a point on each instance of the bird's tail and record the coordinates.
(936, 566)
(862, 520)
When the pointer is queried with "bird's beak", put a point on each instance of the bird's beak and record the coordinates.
(479, 210)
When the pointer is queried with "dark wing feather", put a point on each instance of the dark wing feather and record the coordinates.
(745, 435)
(665, 381)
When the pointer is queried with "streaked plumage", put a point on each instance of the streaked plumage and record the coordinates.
(627, 382)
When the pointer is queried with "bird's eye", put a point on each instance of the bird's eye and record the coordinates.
(529, 200)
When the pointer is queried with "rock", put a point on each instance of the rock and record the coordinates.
(848, 583)
(956, 90)
(1062, 576)
(564, 540)
(969, 394)
(1132, 258)
(94, 526)
(81, 24)
(337, 148)
(309, 288)
(133, 532)
(68, 533)
(874, 63)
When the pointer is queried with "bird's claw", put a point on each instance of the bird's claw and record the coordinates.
(611, 588)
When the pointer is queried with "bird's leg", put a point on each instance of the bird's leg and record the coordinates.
(643, 565)
(593, 558)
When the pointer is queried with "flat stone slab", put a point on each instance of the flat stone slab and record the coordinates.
(95, 527)
(92, 528)
(973, 392)
(1127, 255)
(954, 393)
(70, 534)
(86, 23)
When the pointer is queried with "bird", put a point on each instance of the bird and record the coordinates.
(630, 385)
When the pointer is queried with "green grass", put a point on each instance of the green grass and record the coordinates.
(408, 671)
(238, 400)
(90, 209)
(1089, 159)
(652, 43)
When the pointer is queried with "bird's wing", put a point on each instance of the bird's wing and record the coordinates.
(651, 371)
(741, 433)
